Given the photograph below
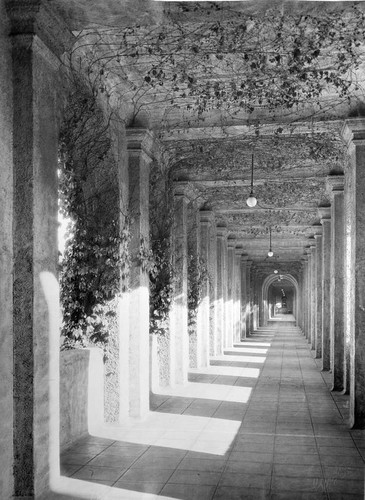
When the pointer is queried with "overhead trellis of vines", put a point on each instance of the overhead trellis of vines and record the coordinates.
(242, 63)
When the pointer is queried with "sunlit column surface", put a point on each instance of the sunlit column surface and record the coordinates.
(212, 269)
(203, 325)
(335, 187)
(318, 287)
(305, 295)
(354, 134)
(249, 295)
(135, 338)
(244, 304)
(179, 307)
(325, 215)
(221, 287)
(237, 296)
(35, 250)
(230, 292)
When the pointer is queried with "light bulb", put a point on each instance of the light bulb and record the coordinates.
(251, 201)
(276, 271)
(270, 253)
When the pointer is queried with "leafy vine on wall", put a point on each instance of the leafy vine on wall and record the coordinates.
(96, 258)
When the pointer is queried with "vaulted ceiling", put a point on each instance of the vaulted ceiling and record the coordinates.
(187, 92)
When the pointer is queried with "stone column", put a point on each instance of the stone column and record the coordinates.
(325, 217)
(318, 305)
(213, 294)
(38, 38)
(230, 292)
(309, 295)
(179, 307)
(249, 295)
(193, 274)
(335, 187)
(244, 300)
(313, 296)
(237, 295)
(135, 339)
(221, 287)
(203, 326)
(354, 134)
(304, 325)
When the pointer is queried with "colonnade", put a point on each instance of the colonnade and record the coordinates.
(333, 278)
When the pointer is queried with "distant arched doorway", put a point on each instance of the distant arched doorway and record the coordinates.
(280, 296)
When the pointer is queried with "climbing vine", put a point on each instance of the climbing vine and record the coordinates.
(96, 257)
(234, 63)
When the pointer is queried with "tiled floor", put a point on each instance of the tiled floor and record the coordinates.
(259, 423)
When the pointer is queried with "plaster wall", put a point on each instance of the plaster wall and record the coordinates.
(6, 194)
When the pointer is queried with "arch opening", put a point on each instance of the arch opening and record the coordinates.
(280, 298)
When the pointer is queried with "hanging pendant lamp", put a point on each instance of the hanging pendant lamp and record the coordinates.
(251, 200)
(270, 253)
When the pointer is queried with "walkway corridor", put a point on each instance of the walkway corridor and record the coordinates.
(259, 423)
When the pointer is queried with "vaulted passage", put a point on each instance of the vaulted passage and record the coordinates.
(258, 422)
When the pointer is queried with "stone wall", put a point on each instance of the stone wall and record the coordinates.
(81, 393)
(6, 337)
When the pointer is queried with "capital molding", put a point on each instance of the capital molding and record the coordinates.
(324, 213)
(206, 216)
(38, 18)
(221, 231)
(335, 184)
(231, 242)
(140, 140)
(354, 130)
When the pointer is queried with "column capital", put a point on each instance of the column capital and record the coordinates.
(249, 263)
(37, 18)
(206, 216)
(222, 231)
(244, 258)
(317, 228)
(140, 140)
(354, 130)
(187, 189)
(324, 213)
(231, 243)
(238, 251)
(335, 184)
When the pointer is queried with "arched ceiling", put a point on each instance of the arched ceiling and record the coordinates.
(294, 147)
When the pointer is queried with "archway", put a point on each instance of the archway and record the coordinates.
(279, 296)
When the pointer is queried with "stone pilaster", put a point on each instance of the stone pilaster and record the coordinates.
(304, 324)
(318, 305)
(325, 217)
(230, 292)
(309, 295)
(312, 294)
(179, 307)
(237, 297)
(135, 339)
(193, 273)
(249, 296)
(212, 269)
(354, 134)
(203, 326)
(221, 287)
(244, 299)
(38, 38)
(335, 187)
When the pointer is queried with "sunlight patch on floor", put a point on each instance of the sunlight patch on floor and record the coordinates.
(239, 359)
(219, 392)
(234, 371)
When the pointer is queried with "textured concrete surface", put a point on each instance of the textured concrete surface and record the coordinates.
(6, 337)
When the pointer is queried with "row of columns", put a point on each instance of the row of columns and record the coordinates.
(222, 317)
(333, 279)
